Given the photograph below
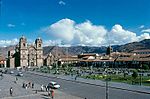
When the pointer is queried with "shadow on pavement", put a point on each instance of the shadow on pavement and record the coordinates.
(44, 96)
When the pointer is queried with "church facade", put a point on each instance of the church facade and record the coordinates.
(26, 55)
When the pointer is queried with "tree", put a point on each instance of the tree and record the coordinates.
(145, 67)
(135, 74)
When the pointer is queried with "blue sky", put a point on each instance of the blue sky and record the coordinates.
(47, 18)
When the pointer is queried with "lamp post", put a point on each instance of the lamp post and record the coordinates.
(140, 75)
(67, 58)
(56, 59)
(55, 65)
(106, 87)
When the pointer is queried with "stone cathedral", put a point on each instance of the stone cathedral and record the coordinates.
(26, 55)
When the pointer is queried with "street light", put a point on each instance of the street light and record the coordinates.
(140, 75)
(56, 59)
(106, 87)
(67, 58)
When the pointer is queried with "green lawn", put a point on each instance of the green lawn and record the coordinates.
(114, 78)
(120, 78)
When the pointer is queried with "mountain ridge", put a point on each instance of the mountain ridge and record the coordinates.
(75, 50)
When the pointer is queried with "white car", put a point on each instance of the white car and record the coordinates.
(20, 74)
(11, 72)
(54, 85)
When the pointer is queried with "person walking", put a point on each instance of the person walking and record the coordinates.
(75, 77)
(32, 85)
(52, 94)
(26, 86)
(29, 85)
(11, 91)
(36, 91)
(46, 88)
(42, 87)
(23, 85)
(49, 93)
(16, 79)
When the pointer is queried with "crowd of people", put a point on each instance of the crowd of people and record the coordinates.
(28, 85)
(31, 85)
(49, 90)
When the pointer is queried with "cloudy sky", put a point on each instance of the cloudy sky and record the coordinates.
(74, 22)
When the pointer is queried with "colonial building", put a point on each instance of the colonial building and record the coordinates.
(112, 59)
(26, 55)
(141, 51)
(11, 59)
(49, 60)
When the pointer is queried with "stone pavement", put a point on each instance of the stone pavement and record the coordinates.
(122, 86)
(22, 93)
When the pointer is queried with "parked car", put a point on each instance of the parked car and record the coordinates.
(1, 70)
(54, 85)
(5, 71)
(20, 74)
(11, 72)
(1, 74)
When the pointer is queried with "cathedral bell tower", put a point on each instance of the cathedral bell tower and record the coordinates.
(23, 52)
(39, 52)
(109, 50)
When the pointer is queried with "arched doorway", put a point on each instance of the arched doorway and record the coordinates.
(32, 63)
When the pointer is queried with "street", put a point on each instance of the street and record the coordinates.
(29, 93)
(85, 90)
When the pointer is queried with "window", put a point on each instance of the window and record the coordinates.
(39, 45)
(24, 44)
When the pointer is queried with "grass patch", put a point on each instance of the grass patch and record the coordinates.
(120, 78)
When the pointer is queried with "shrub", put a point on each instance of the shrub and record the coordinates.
(145, 67)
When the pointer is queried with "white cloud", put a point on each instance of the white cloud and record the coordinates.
(142, 26)
(118, 35)
(63, 29)
(4, 43)
(143, 36)
(86, 33)
(51, 42)
(146, 30)
(69, 32)
(11, 25)
(61, 2)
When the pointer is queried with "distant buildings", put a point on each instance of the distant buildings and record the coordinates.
(141, 51)
(26, 55)
(111, 59)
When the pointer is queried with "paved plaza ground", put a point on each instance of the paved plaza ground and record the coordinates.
(22, 93)
(122, 86)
